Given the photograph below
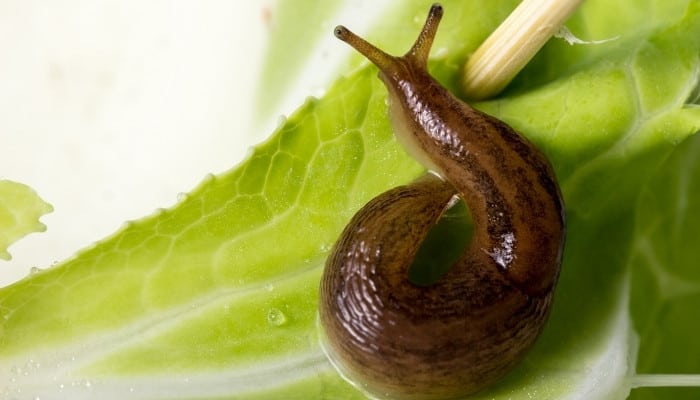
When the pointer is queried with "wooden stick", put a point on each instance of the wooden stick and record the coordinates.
(513, 44)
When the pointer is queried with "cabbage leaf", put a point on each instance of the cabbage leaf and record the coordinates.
(216, 297)
(20, 210)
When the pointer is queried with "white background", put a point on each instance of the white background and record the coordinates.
(109, 109)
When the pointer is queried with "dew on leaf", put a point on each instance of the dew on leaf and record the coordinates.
(276, 317)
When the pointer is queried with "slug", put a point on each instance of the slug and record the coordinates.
(396, 339)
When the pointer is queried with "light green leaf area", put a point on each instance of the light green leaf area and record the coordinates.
(294, 28)
(666, 278)
(20, 210)
(216, 298)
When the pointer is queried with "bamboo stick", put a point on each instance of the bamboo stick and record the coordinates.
(513, 44)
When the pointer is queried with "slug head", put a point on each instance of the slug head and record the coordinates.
(402, 76)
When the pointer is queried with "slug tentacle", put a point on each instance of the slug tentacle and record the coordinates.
(420, 50)
(461, 333)
(377, 56)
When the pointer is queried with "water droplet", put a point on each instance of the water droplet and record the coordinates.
(324, 247)
(87, 384)
(227, 307)
(269, 287)
(208, 178)
(276, 317)
(34, 270)
(182, 196)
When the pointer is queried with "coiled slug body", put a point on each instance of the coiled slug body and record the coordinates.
(458, 335)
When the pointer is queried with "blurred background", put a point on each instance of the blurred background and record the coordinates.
(110, 109)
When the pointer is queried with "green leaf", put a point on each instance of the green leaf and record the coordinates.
(217, 297)
(20, 210)
(666, 278)
(221, 288)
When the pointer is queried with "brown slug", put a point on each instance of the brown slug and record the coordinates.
(396, 339)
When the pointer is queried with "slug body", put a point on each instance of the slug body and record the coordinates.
(396, 339)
